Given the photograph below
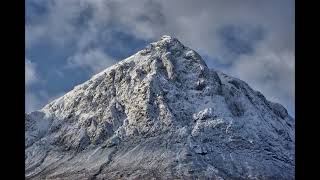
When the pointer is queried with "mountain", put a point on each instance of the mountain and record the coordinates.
(163, 114)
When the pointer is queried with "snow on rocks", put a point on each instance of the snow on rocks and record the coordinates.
(160, 113)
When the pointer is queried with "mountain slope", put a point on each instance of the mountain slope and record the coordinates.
(160, 113)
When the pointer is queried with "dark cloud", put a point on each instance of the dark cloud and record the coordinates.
(238, 40)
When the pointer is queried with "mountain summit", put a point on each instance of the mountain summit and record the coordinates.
(161, 113)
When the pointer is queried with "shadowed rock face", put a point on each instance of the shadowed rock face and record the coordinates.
(163, 114)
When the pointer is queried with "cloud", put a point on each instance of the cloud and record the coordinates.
(197, 24)
(32, 102)
(238, 40)
(30, 73)
(94, 59)
(271, 73)
(31, 78)
(150, 19)
(36, 100)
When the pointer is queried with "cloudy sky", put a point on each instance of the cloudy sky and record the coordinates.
(67, 41)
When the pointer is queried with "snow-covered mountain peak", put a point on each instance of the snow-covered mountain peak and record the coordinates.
(166, 40)
(160, 113)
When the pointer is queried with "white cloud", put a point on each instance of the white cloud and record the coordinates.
(95, 59)
(30, 73)
(36, 100)
(193, 22)
(32, 102)
(269, 72)
(31, 99)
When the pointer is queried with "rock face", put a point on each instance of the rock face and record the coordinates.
(163, 114)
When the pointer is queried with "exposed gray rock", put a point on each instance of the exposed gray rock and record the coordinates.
(160, 114)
